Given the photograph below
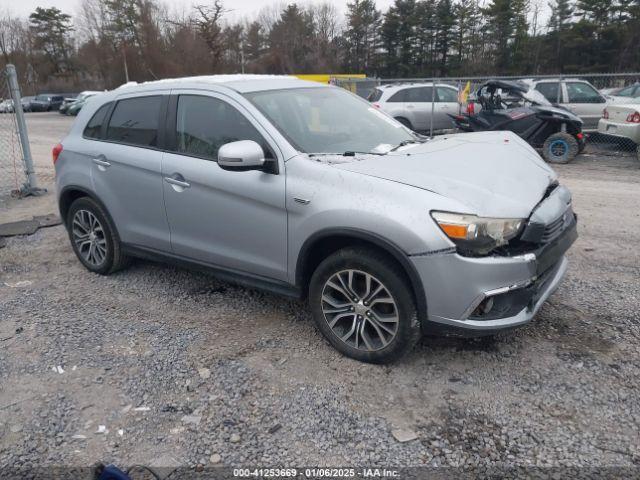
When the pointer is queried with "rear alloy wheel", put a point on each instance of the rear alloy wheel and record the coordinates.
(93, 237)
(560, 147)
(362, 304)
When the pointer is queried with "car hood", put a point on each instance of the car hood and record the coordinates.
(495, 174)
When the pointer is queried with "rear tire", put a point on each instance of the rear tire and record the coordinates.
(363, 305)
(93, 237)
(560, 147)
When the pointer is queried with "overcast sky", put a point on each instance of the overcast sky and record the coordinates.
(240, 8)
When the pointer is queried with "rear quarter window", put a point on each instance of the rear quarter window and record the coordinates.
(375, 95)
(93, 129)
(135, 121)
(398, 97)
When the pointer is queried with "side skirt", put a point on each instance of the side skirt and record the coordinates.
(226, 274)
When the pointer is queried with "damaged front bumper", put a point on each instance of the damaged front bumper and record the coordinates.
(479, 296)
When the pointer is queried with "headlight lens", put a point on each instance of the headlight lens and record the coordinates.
(477, 235)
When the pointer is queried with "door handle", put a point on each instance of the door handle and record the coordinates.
(177, 182)
(101, 163)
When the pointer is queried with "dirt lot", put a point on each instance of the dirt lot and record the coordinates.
(182, 369)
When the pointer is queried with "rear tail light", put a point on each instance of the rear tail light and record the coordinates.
(634, 117)
(605, 114)
(55, 153)
(580, 136)
(471, 108)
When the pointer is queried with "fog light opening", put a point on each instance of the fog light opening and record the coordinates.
(484, 308)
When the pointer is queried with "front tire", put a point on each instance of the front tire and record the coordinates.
(93, 237)
(363, 305)
(560, 147)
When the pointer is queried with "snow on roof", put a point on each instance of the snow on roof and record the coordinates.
(209, 79)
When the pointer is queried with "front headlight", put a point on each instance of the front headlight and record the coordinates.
(477, 235)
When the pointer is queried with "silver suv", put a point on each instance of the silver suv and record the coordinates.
(577, 96)
(307, 190)
(416, 104)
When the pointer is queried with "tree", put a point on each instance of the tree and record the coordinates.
(290, 41)
(399, 37)
(325, 51)
(559, 24)
(465, 29)
(254, 43)
(445, 22)
(507, 28)
(361, 35)
(207, 24)
(51, 29)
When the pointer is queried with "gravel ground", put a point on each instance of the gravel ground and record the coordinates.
(181, 369)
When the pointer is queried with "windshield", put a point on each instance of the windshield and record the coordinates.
(329, 120)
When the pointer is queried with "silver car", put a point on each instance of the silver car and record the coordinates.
(576, 95)
(411, 104)
(306, 190)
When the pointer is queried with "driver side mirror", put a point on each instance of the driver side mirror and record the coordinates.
(241, 155)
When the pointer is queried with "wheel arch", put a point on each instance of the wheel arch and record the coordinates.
(402, 119)
(71, 193)
(325, 242)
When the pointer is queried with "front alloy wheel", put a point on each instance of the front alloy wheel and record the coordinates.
(363, 303)
(359, 310)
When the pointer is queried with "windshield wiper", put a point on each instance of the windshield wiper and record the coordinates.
(405, 143)
(348, 153)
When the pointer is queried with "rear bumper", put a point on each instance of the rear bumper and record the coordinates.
(619, 130)
(457, 287)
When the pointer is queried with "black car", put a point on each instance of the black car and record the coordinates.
(46, 102)
(509, 105)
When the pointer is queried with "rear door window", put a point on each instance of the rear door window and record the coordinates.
(583, 93)
(135, 121)
(549, 90)
(94, 126)
(419, 95)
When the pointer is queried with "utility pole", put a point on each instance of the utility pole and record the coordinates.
(124, 59)
(242, 56)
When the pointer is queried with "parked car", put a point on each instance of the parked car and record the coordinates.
(578, 96)
(46, 102)
(68, 100)
(410, 104)
(621, 121)
(26, 103)
(306, 190)
(614, 91)
(75, 107)
(6, 106)
(630, 94)
(513, 106)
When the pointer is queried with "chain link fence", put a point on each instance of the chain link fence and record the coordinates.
(17, 176)
(588, 96)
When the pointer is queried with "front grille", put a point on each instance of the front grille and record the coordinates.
(553, 229)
